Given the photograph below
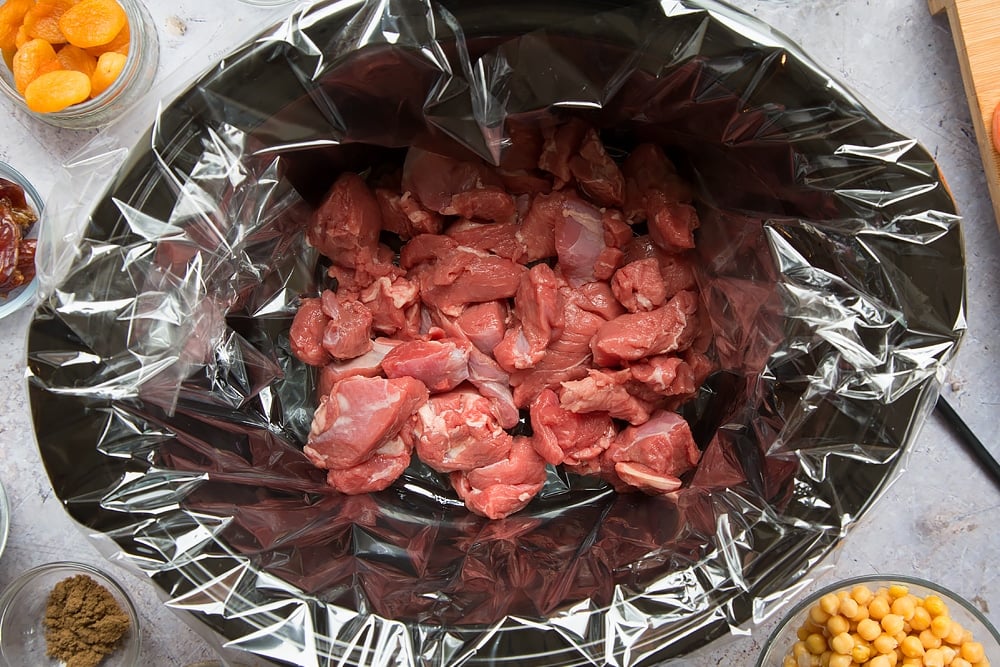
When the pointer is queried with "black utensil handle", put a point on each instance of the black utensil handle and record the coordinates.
(969, 439)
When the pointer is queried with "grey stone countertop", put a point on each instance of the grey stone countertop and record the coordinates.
(934, 520)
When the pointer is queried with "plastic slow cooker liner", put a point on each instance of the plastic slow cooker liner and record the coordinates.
(170, 415)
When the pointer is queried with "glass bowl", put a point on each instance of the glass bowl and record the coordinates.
(19, 297)
(782, 641)
(130, 85)
(22, 613)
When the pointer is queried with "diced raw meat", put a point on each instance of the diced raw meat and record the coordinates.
(346, 226)
(458, 431)
(604, 392)
(607, 263)
(486, 203)
(701, 366)
(671, 224)
(394, 306)
(567, 358)
(435, 179)
(493, 383)
(368, 268)
(348, 329)
(677, 271)
(538, 308)
(358, 416)
(538, 227)
(596, 173)
(499, 238)
(405, 216)
(561, 143)
(665, 375)
(523, 146)
(647, 169)
(579, 240)
(524, 181)
(385, 466)
(633, 336)
(367, 365)
(502, 488)
(483, 324)
(441, 365)
(306, 334)
(463, 276)
(617, 233)
(639, 286)
(653, 456)
(595, 297)
(562, 436)
(426, 248)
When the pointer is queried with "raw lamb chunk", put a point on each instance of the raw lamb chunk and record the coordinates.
(561, 143)
(306, 334)
(358, 416)
(483, 324)
(538, 309)
(367, 365)
(346, 226)
(486, 203)
(653, 456)
(494, 384)
(647, 170)
(596, 297)
(394, 304)
(495, 237)
(402, 214)
(639, 287)
(537, 232)
(671, 224)
(636, 335)
(436, 179)
(385, 466)
(579, 241)
(562, 436)
(665, 375)
(456, 431)
(502, 488)
(604, 392)
(441, 365)
(596, 173)
(348, 328)
(453, 278)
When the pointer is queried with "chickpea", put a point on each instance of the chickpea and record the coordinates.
(972, 651)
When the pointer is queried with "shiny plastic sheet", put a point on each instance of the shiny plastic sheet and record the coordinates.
(171, 416)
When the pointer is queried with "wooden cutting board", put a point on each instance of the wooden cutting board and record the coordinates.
(975, 25)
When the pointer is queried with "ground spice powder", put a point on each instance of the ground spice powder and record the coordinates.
(83, 622)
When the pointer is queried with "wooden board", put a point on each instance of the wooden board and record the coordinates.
(975, 25)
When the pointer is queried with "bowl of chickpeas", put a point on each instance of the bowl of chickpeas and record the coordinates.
(881, 621)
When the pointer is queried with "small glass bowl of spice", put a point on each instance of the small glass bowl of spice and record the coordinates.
(67, 614)
(77, 64)
(20, 210)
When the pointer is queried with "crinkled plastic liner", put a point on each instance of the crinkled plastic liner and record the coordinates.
(170, 414)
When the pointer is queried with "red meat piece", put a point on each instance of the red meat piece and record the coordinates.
(639, 286)
(486, 203)
(483, 324)
(456, 431)
(346, 226)
(524, 181)
(596, 173)
(405, 216)
(665, 375)
(677, 271)
(426, 248)
(653, 456)
(560, 144)
(305, 337)
(435, 179)
(494, 384)
(464, 275)
(348, 328)
(386, 465)
(607, 263)
(604, 392)
(537, 232)
(539, 311)
(567, 358)
(358, 416)
(596, 298)
(646, 170)
(636, 335)
(441, 365)
(502, 488)
(499, 238)
(617, 233)
(671, 224)
(523, 146)
(579, 240)
(367, 365)
(394, 305)
(563, 436)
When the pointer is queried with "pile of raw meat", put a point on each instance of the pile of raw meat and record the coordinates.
(558, 287)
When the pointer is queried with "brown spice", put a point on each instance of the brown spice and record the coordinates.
(83, 622)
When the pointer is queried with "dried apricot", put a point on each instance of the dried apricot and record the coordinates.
(31, 60)
(75, 58)
(22, 37)
(119, 44)
(109, 66)
(11, 17)
(93, 22)
(57, 90)
(42, 20)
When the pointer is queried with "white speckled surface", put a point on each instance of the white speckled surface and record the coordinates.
(935, 520)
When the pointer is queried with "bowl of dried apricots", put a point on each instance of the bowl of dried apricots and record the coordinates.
(883, 621)
(76, 63)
